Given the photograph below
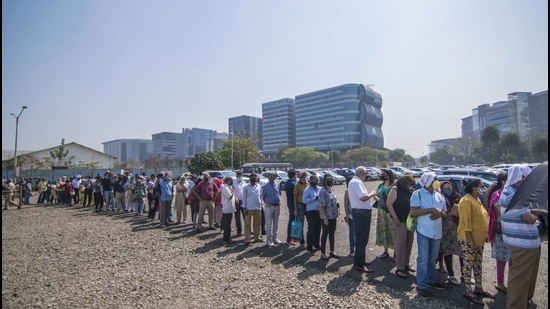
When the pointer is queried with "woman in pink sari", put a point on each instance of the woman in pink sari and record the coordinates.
(499, 250)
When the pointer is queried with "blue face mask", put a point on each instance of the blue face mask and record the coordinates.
(448, 192)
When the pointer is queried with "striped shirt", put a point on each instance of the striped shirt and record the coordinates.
(516, 232)
(299, 189)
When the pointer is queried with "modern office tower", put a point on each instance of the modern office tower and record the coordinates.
(437, 144)
(164, 144)
(339, 118)
(247, 127)
(278, 126)
(522, 112)
(195, 140)
(129, 150)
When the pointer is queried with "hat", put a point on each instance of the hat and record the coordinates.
(427, 179)
(78, 176)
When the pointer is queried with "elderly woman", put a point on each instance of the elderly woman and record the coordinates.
(520, 232)
(399, 206)
(472, 233)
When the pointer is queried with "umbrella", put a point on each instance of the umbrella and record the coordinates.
(533, 192)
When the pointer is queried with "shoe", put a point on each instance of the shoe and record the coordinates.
(247, 243)
(502, 289)
(162, 226)
(178, 222)
(216, 225)
(352, 254)
(384, 255)
(270, 244)
(334, 255)
(424, 293)
(310, 252)
(474, 299)
(184, 222)
(401, 274)
(277, 242)
(410, 269)
(436, 285)
(453, 280)
(211, 228)
(363, 269)
(442, 270)
(239, 234)
(302, 246)
(324, 257)
(171, 221)
(290, 243)
(228, 242)
(485, 294)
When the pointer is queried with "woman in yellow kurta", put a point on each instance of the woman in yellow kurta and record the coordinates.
(472, 234)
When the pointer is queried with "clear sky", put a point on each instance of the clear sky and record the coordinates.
(100, 70)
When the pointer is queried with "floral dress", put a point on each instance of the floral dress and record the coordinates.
(499, 250)
(385, 232)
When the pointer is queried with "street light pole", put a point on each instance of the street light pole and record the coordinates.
(231, 136)
(15, 170)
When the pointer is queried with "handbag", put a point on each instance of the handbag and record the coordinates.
(411, 223)
(296, 229)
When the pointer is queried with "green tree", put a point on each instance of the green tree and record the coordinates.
(424, 161)
(244, 150)
(61, 154)
(442, 156)
(366, 156)
(396, 155)
(205, 161)
(304, 156)
(540, 149)
(490, 145)
(408, 160)
(513, 150)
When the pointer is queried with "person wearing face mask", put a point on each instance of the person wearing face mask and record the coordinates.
(472, 233)
(311, 199)
(449, 242)
(239, 211)
(252, 205)
(179, 204)
(166, 196)
(328, 210)
(428, 205)
(228, 208)
(300, 206)
(385, 232)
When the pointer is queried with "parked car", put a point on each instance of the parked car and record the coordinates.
(458, 184)
(403, 171)
(344, 172)
(281, 178)
(338, 179)
(487, 175)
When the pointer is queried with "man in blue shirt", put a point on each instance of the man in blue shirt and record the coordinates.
(270, 196)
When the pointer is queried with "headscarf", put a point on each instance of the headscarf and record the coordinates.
(516, 173)
(427, 179)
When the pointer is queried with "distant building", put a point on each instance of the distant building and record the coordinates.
(164, 144)
(339, 118)
(247, 127)
(522, 112)
(195, 140)
(435, 145)
(129, 150)
(278, 126)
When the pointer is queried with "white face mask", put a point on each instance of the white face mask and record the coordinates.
(239, 179)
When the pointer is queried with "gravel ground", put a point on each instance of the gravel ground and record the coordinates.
(70, 257)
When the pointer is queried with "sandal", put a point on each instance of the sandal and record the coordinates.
(410, 268)
(484, 294)
(474, 299)
(384, 255)
(401, 274)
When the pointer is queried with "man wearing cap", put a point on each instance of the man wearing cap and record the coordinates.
(429, 207)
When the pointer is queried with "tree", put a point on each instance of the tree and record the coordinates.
(60, 154)
(304, 156)
(490, 145)
(244, 150)
(408, 160)
(540, 149)
(152, 162)
(424, 161)
(442, 156)
(365, 156)
(397, 155)
(513, 150)
(205, 161)
(464, 149)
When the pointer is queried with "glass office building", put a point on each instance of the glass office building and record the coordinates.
(247, 127)
(278, 126)
(128, 150)
(339, 118)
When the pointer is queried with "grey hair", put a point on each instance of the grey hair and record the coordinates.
(360, 169)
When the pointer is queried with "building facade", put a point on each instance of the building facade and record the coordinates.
(195, 140)
(164, 144)
(129, 150)
(339, 118)
(247, 127)
(278, 126)
(522, 112)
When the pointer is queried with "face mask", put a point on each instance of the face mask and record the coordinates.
(230, 183)
(252, 180)
(239, 179)
(313, 183)
(448, 192)
(383, 177)
(329, 182)
(435, 184)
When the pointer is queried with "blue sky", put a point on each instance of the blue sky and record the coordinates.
(95, 71)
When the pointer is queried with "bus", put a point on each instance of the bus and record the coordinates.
(258, 167)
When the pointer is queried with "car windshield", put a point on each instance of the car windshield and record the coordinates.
(229, 174)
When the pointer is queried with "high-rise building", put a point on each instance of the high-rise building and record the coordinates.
(247, 127)
(195, 140)
(522, 112)
(339, 118)
(164, 144)
(278, 126)
(129, 150)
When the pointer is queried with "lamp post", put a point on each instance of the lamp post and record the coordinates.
(15, 170)
(231, 137)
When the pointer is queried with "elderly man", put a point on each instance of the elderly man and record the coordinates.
(361, 207)
(429, 206)
(252, 205)
(206, 191)
(270, 195)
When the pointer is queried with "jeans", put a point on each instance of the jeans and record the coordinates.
(428, 250)
(362, 218)
(301, 215)
(109, 201)
(139, 205)
(289, 225)
(351, 227)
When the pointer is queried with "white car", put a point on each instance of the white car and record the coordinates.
(281, 178)
(338, 179)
